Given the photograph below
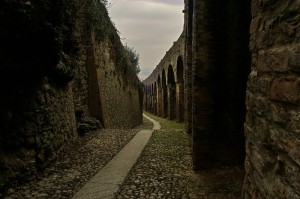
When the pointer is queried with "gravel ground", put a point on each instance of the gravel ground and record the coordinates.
(164, 170)
(76, 165)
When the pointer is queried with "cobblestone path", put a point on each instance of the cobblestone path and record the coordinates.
(164, 170)
(75, 166)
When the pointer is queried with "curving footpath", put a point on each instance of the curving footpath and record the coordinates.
(106, 183)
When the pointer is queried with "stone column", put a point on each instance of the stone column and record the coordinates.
(171, 101)
(164, 101)
(188, 77)
(159, 101)
(179, 102)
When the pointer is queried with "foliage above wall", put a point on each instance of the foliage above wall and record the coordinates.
(35, 36)
(127, 59)
(134, 58)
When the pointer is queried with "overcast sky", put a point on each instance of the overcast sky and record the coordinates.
(149, 26)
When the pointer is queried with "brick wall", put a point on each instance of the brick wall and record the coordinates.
(272, 126)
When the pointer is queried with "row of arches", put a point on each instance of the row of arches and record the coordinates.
(164, 96)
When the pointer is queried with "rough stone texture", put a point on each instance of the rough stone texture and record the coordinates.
(119, 90)
(271, 128)
(57, 71)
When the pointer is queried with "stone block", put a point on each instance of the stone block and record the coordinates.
(285, 90)
(294, 59)
(254, 24)
(291, 145)
(258, 105)
(269, 158)
(259, 82)
(293, 173)
(294, 120)
(275, 59)
(287, 142)
(249, 121)
(281, 189)
(279, 114)
(255, 5)
(261, 129)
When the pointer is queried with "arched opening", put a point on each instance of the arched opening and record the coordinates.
(145, 97)
(159, 97)
(164, 95)
(179, 90)
(155, 99)
(152, 99)
(171, 94)
(149, 98)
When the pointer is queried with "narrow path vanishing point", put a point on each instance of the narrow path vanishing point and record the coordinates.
(106, 183)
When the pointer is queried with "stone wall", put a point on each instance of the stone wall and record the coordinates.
(57, 70)
(120, 90)
(36, 105)
(272, 126)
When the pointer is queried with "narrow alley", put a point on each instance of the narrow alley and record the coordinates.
(214, 114)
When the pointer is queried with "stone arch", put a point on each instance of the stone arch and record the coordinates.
(155, 99)
(149, 98)
(180, 90)
(147, 101)
(164, 94)
(171, 93)
(152, 99)
(159, 96)
(145, 97)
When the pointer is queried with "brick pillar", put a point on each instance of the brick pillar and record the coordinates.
(171, 101)
(188, 77)
(159, 100)
(145, 98)
(155, 99)
(164, 101)
(203, 148)
(179, 102)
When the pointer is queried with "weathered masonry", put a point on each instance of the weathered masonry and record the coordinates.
(164, 87)
(62, 72)
(240, 99)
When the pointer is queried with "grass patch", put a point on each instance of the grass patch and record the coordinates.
(165, 123)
